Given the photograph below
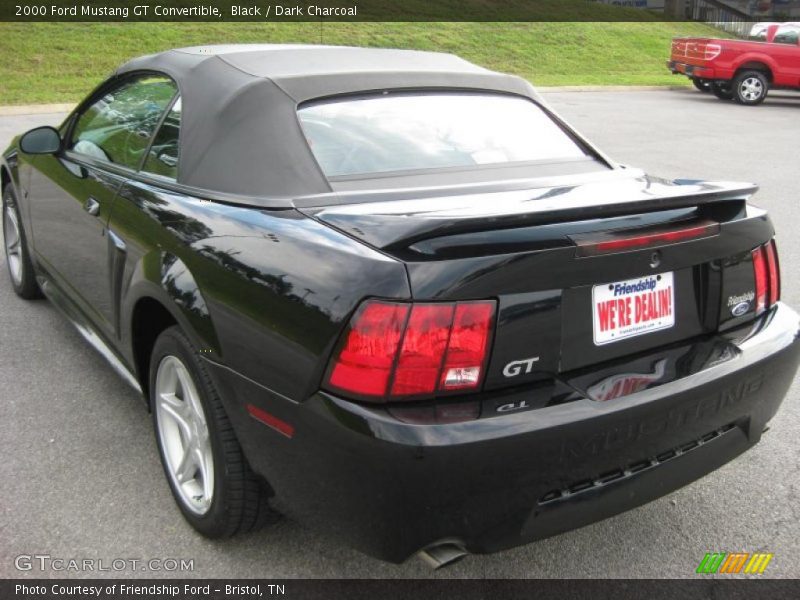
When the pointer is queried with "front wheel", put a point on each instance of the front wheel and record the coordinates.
(210, 479)
(750, 87)
(721, 91)
(18, 260)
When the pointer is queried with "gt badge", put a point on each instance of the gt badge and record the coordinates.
(516, 367)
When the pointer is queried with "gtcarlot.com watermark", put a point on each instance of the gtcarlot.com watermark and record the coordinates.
(46, 562)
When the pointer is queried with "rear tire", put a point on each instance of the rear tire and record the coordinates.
(702, 85)
(722, 92)
(18, 259)
(208, 474)
(750, 87)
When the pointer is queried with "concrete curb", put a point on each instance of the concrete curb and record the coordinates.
(42, 109)
(609, 88)
(34, 109)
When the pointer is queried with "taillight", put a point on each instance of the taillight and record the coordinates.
(773, 269)
(466, 352)
(712, 51)
(760, 275)
(423, 347)
(394, 350)
(767, 276)
(366, 360)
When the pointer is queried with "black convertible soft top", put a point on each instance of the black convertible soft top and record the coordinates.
(240, 133)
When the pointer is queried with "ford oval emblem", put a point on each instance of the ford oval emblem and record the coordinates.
(740, 309)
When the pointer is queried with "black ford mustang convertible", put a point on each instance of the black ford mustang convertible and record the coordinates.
(392, 294)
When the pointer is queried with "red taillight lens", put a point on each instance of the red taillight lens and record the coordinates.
(365, 362)
(423, 349)
(760, 274)
(399, 350)
(773, 269)
(712, 51)
(766, 272)
(466, 352)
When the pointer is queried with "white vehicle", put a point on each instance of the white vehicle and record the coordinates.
(761, 30)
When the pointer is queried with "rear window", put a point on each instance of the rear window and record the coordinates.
(787, 37)
(409, 132)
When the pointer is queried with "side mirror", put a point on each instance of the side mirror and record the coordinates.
(42, 140)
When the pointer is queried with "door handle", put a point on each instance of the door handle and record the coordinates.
(92, 206)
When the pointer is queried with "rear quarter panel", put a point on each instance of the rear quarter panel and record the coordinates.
(733, 58)
(265, 293)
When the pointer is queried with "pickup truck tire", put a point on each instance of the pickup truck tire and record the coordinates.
(750, 87)
(702, 85)
(722, 92)
(208, 474)
(18, 260)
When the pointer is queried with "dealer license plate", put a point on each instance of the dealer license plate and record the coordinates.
(625, 309)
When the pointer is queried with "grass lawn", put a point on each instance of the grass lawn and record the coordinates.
(60, 62)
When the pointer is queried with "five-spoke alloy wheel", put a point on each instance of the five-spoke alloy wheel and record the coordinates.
(208, 474)
(13, 243)
(20, 268)
(183, 434)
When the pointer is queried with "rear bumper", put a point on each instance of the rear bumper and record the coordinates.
(692, 71)
(390, 488)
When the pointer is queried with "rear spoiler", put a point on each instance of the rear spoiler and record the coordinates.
(400, 221)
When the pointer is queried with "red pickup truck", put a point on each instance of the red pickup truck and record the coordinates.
(737, 69)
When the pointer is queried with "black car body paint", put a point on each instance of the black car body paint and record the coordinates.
(262, 261)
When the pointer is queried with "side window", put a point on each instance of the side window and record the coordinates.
(787, 37)
(117, 128)
(163, 156)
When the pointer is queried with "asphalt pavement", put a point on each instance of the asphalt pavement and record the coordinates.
(79, 472)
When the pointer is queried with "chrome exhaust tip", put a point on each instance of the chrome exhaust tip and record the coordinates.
(442, 554)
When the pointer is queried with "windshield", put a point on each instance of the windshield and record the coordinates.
(381, 134)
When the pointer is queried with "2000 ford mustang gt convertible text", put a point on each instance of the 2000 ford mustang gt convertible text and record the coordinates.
(390, 293)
